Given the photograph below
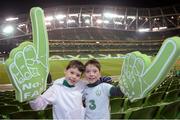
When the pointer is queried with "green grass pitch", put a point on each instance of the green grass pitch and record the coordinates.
(110, 67)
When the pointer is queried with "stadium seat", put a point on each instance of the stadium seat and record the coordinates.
(6, 100)
(118, 115)
(148, 112)
(161, 89)
(116, 104)
(48, 113)
(154, 98)
(26, 106)
(2, 103)
(28, 114)
(172, 95)
(133, 105)
(172, 87)
(170, 111)
(5, 110)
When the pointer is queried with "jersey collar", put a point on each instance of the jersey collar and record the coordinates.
(94, 84)
(65, 83)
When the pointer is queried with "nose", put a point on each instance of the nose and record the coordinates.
(74, 76)
(91, 73)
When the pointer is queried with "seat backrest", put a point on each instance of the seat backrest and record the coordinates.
(154, 98)
(27, 114)
(148, 112)
(170, 111)
(128, 104)
(26, 106)
(116, 104)
(48, 113)
(5, 110)
(118, 115)
(172, 95)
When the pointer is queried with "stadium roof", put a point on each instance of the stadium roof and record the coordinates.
(11, 7)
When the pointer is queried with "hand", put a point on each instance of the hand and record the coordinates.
(139, 76)
(106, 79)
(28, 65)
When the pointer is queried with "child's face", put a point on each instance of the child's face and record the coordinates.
(92, 73)
(72, 75)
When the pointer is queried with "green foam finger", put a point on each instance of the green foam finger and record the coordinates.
(40, 37)
(146, 75)
(27, 65)
(22, 66)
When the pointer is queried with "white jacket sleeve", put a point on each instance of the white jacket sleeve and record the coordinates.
(48, 97)
(38, 104)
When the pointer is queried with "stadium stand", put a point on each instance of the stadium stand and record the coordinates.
(119, 37)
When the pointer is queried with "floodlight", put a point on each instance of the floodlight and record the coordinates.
(49, 18)
(131, 17)
(106, 21)
(143, 29)
(118, 23)
(96, 15)
(155, 29)
(109, 15)
(47, 23)
(161, 28)
(71, 21)
(70, 15)
(12, 18)
(21, 25)
(8, 29)
(86, 15)
(87, 21)
(99, 21)
(61, 22)
(60, 16)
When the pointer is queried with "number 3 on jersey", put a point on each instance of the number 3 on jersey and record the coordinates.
(92, 105)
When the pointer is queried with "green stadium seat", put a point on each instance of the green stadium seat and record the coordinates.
(48, 113)
(26, 106)
(133, 105)
(161, 89)
(148, 112)
(116, 104)
(170, 111)
(19, 104)
(154, 98)
(118, 115)
(2, 103)
(172, 95)
(172, 87)
(6, 109)
(27, 114)
(6, 100)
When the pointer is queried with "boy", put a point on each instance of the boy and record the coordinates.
(66, 98)
(96, 95)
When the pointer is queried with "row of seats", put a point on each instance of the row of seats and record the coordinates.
(123, 104)
(162, 111)
(157, 104)
(153, 106)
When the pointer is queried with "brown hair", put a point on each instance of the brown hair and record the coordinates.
(76, 64)
(94, 62)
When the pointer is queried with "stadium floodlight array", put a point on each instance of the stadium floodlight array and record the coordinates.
(120, 18)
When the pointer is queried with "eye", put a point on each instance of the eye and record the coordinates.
(95, 71)
(78, 75)
(72, 72)
(87, 71)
